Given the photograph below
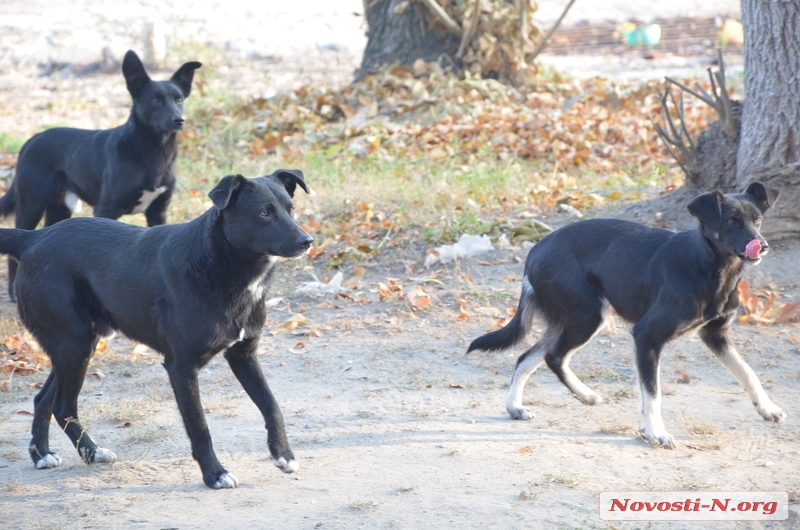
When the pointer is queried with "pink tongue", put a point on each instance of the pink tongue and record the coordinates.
(753, 249)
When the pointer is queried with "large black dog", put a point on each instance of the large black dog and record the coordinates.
(663, 282)
(128, 169)
(187, 290)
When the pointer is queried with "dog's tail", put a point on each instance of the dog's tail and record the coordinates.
(7, 202)
(14, 240)
(514, 331)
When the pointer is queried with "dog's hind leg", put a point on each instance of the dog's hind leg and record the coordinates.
(242, 359)
(183, 377)
(715, 336)
(69, 364)
(56, 211)
(39, 447)
(578, 329)
(527, 364)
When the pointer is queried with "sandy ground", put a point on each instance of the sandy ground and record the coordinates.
(392, 425)
(395, 428)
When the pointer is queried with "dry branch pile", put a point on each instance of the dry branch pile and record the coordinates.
(497, 37)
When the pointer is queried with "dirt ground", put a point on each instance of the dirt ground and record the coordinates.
(392, 425)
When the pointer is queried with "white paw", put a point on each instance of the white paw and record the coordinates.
(103, 455)
(660, 439)
(770, 411)
(286, 466)
(591, 398)
(520, 413)
(49, 460)
(226, 480)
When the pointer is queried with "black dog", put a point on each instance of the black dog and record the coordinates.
(665, 283)
(187, 290)
(129, 169)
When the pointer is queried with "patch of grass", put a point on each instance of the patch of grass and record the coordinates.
(700, 429)
(438, 198)
(148, 435)
(10, 143)
(568, 480)
(617, 428)
(128, 410)
(15, 487)
(363, 505)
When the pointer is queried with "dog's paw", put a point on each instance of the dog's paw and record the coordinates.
(287, 466)
(102, 455)
(770, 411)
(225, 480)
(591, 398)
(660, 439)
(48, 460)
(520, 413)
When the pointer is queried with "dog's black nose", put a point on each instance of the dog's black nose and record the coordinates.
(178, 120)
(305, 241)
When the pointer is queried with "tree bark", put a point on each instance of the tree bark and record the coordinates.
(769, 146)
(398, 34)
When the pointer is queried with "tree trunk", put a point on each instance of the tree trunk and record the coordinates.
(398, 33)
(769, 148)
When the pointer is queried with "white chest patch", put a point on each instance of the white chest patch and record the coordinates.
(72, 202)
(147, 198)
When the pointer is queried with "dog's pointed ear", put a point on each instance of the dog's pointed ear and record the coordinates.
(708, 208)
(184, 75)
(765, 196)
(225, 192)
(135, 75)
(290, 178)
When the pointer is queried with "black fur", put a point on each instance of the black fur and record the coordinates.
(187, 290)
(109, 169)
(665, 283)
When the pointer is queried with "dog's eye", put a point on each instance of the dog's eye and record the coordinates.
(179, 100)
(732, 222)
(156, 101)
(263, 213)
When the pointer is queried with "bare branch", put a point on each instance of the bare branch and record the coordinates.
(470, 32)
(719, 100)
(727, 105)
(547, 37)
(439, 11)
(676, 136)
(699, 96)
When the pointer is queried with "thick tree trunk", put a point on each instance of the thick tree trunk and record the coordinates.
(769, 146)
(398, 34)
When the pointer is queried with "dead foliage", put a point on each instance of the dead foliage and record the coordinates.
(761, 306)
(596, 124)
(20, 355)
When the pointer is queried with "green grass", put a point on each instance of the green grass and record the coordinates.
(10, 144)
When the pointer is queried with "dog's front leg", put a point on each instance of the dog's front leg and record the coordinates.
(156, 213)
(715, 336)
(243, 362)
(183, 378)
(648, 359)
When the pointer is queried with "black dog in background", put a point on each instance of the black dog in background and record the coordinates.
(663, 282)
(128, 169)
(186, 290)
